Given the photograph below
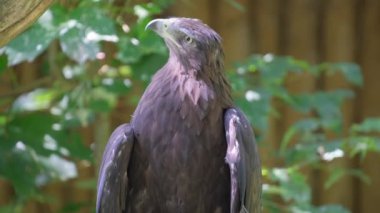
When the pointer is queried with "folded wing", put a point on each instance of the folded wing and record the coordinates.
(243, 159)
(113, 173)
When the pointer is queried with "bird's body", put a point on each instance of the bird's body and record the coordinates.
(176, 147)
(181, 168)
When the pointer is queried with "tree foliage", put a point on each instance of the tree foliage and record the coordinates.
(90, 60)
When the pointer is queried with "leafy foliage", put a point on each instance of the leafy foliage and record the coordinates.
(40, 135)
(314, 139)
(92, 60)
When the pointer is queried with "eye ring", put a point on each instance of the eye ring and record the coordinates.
(188, 39)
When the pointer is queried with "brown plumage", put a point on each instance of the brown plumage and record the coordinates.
(187, 149)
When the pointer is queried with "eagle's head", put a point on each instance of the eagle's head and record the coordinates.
(192, 42)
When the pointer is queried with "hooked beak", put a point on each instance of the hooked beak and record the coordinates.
(154, 25)
(164, 28)
(158, 25)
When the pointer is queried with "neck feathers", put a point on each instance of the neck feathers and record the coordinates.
(200, 80)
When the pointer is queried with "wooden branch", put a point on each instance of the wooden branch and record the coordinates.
(18, 15)
(35, 84)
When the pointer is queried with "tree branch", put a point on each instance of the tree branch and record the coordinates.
(38, 83)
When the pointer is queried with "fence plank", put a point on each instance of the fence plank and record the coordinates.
(265, 26)
(338, 44)
(301, 41)
(370, 98)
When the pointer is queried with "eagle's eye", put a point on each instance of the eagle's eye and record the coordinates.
(188, 39)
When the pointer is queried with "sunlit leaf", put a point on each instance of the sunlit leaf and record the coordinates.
(30, 44)
(3, 120)
(31, 129)
(367, 126)
(132, 50)
(293, 185)
(98, 26)
(143, 11)
(37, 99)
(80, 36)
(57, 168)
(129, 52)
(362, 145)
(70, 72)
(75, 44)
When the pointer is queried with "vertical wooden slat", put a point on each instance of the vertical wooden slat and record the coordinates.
(193, 9)
(339, 45)
(231, 24)
(265, 25)
(301, 38)
(301, 31)
(370, 98)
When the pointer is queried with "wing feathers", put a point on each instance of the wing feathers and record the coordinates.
(243, 159)
(113, 177)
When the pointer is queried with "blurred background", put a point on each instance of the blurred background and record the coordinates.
(306, 73)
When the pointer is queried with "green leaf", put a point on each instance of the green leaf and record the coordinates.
(236, 5)
(293, 185)
(360, 174)
(80, 36)
(144, 11)
(334, 177)
(99, 27)
(287, 138)
(363, 144)
(56, 168)
(117, 86)
(129, 52)
(331, 209)
(13, 207)
(258, 110)
(29, 45)
(148, 65)
(3, 63)
(27, 170)
(73, 207)
(18, 165)
(76, 45)
(37, 99)
(101, 100)
(351, 72)
(367, 126)
(3, 120)
(23, 128)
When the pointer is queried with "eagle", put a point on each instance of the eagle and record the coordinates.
(187, 149)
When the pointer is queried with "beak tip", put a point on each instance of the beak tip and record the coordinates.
(152, 25)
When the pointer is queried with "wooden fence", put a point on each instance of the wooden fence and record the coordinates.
(314, 30)
(317, 31)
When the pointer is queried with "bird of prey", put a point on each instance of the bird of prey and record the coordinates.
(187, 148)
